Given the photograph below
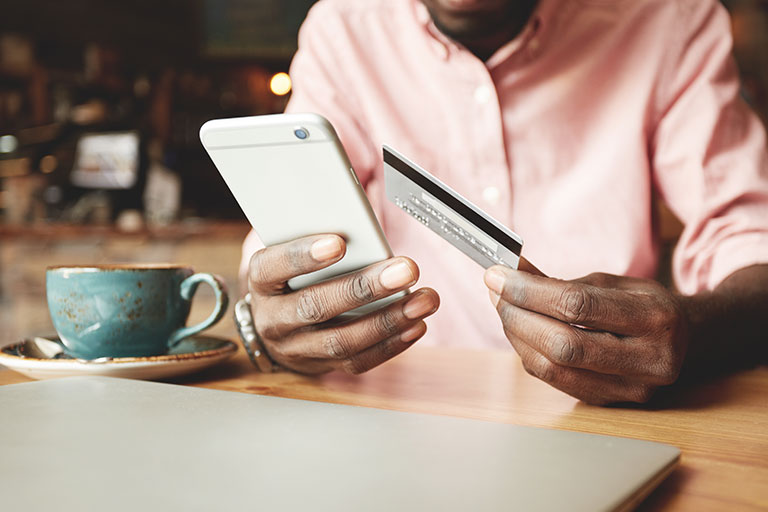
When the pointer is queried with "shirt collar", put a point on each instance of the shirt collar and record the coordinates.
(443, 46)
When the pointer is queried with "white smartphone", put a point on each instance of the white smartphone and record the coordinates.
(292, 178)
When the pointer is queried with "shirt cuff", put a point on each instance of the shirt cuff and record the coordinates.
(736, 253)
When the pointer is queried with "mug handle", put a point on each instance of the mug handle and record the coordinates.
(187, 290)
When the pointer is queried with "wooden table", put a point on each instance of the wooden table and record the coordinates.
(721, 426)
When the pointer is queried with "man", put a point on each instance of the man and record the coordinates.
(561, 118)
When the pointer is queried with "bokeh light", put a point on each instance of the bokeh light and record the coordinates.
(48, 164)
(8, 144)
(280, 84)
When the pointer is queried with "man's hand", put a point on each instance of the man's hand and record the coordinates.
(602, 338)
(294, 324)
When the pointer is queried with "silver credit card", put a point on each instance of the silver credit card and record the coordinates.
(447, 213)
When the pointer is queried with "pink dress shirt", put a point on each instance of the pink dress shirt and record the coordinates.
(564, 135)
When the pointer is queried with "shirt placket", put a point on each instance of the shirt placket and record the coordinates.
(490, 170)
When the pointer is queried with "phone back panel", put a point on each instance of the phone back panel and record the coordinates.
(289, 188)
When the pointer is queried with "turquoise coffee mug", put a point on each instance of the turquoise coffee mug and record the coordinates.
(126, 310)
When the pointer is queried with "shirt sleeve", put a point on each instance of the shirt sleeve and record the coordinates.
(709, 154)
(320, 85)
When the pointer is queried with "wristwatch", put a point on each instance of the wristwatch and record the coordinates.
(252, 342)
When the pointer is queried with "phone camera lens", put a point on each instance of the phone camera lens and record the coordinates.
(301, 133)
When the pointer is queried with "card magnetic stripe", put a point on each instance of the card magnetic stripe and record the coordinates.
(406, 183)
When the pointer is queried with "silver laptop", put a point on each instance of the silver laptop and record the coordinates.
(98, 443)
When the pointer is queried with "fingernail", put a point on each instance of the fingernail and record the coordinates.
(495, 280)
(325, 249)
(413, 332)
(495, 297)
(396, 275)
(418, 306)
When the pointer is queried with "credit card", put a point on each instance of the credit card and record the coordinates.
(447, 213)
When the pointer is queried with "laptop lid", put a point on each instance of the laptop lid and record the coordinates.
(98, 443)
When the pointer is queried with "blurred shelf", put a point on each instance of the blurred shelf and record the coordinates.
(14, 78)
(178, 231)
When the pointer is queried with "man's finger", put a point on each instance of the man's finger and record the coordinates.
(586, 385)
(566, 345)
(271, 267)
(347, 341)
(527, 266)
(384, 350)
(576, 303)
(603, 280)
(323, 301)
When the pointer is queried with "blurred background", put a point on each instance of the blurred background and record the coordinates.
(100, 106)
(101, 102)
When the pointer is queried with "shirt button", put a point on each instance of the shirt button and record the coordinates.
(491, 195)
(482, 94)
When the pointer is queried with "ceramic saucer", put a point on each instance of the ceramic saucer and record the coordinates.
(44, 358)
